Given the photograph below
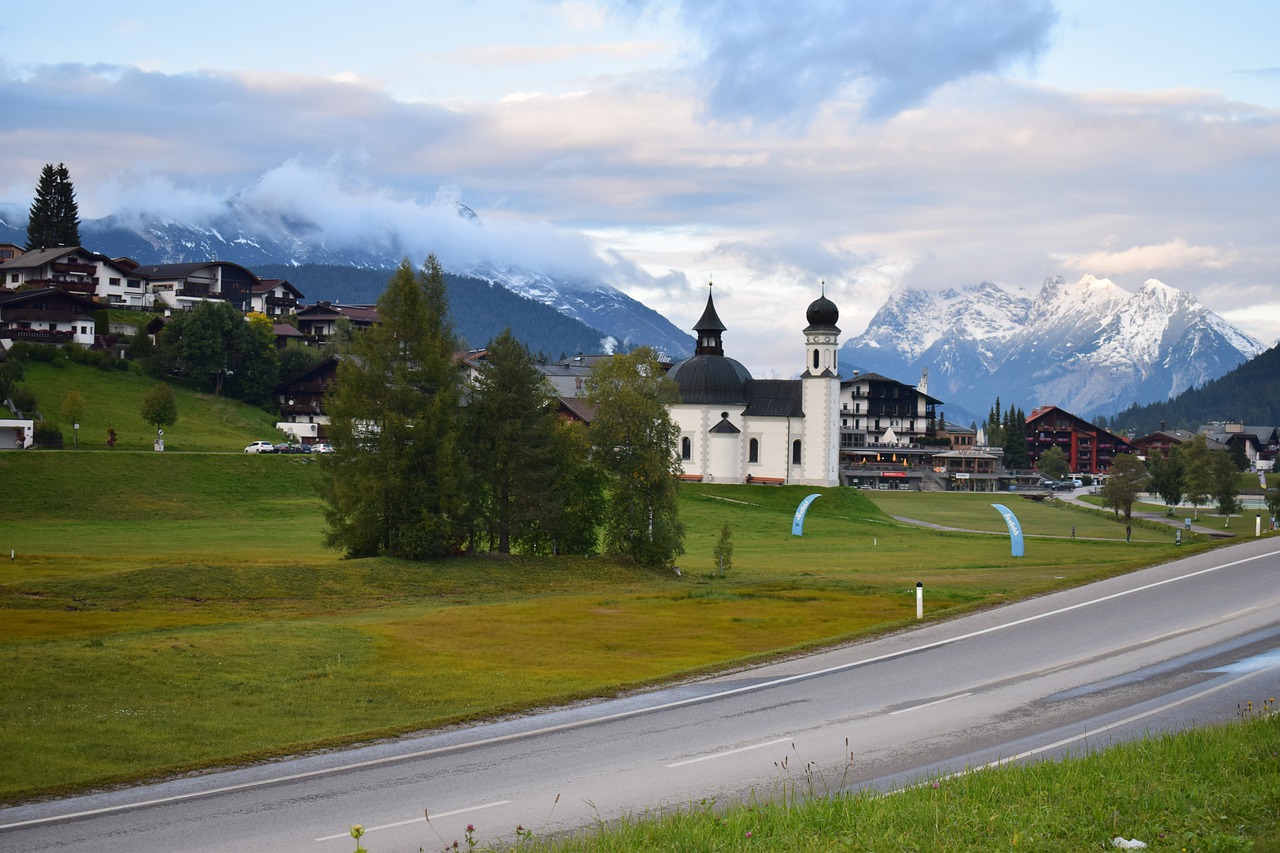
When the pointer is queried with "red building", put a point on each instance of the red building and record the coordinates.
(1089, 449)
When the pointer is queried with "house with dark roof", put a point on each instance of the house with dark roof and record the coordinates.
(274, 297)
(737, 429)
(180, 287)
(114, 283)
(320, 321)
(1089, 449)
(47, 315)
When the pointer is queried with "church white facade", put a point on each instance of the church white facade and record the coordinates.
(737, 429)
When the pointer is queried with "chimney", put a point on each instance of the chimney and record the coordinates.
(1162, 426)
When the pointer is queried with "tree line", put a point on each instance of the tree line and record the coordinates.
(426, 466)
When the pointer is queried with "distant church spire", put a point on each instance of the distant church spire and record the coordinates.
(709, 329)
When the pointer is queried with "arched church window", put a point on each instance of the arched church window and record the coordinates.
(795, 452)
(815, 359)
(686, 448)
(753, 450)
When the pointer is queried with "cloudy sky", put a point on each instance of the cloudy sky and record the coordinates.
(659, 144)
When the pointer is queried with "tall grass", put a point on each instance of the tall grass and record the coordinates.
(1213, 789)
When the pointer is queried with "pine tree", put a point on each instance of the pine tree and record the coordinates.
(396, 483)
(54, 218)
(517, 454)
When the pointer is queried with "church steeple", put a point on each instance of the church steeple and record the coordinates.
(709, 329)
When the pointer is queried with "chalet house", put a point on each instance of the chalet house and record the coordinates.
(301, 401)
(320, 321)
(47, 315)
(183, 286)
(1089, 449)
(1258, 444)
(1162, 442)
(274, 297)
(115, 283)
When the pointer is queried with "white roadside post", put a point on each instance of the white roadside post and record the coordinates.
(919, 600)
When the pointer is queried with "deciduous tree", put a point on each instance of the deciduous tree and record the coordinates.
(1053, 463)
(72, 410)
(634, 439)
(159, 408)
(1166, 477)
(1126, 480)
(1197, 472)
(395, 484)
(1226, 488)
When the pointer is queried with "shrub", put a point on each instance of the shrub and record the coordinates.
(48, 435)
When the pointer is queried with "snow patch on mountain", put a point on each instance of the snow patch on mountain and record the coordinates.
(1088, 346)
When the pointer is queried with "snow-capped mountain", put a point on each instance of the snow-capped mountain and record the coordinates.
(1089, 347)
(252, 236)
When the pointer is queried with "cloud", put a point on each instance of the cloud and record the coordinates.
(1175, 254)
(779, 62)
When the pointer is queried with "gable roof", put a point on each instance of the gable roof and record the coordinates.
(777, 398)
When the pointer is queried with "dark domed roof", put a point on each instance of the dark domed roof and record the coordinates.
(709, 379)
(822, 312)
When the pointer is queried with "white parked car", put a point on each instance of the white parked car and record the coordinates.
(322, 448)
(261, 447)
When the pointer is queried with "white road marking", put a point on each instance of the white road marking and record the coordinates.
(929, 704)
(729, 752)
(621, 715)
(422, 819)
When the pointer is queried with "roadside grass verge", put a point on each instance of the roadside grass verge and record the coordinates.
(169, 612)
(1211, 789)
(113, 400)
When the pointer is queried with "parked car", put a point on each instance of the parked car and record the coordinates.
(322, 447)
(261, 447)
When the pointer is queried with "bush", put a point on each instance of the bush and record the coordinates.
(48, 435)
(24, 399)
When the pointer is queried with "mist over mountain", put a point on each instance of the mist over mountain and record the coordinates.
(248, 231)
(1090, 347)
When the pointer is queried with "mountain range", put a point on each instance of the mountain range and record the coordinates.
(1090, 347)
(258, 239)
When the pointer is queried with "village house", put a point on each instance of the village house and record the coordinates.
(113, 282)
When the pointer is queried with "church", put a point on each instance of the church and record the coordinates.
(737, 429)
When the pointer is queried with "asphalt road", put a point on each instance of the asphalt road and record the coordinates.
(1177, 645)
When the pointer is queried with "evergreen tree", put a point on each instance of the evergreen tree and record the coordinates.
(54, 218)
(1014, 428)
(517, 453)
(994, 426)
(395, 485)
(635, 440)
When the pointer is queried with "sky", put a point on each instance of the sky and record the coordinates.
(773, 148)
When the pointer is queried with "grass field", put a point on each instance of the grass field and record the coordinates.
(113, 400)
(173, 611)
(1215, 789)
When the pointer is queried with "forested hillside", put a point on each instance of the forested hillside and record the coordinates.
(1250, 394)
(480, 310)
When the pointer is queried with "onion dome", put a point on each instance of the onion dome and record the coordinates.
(822, 312)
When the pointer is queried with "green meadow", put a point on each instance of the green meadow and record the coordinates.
(113, 400)
(165, 612)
